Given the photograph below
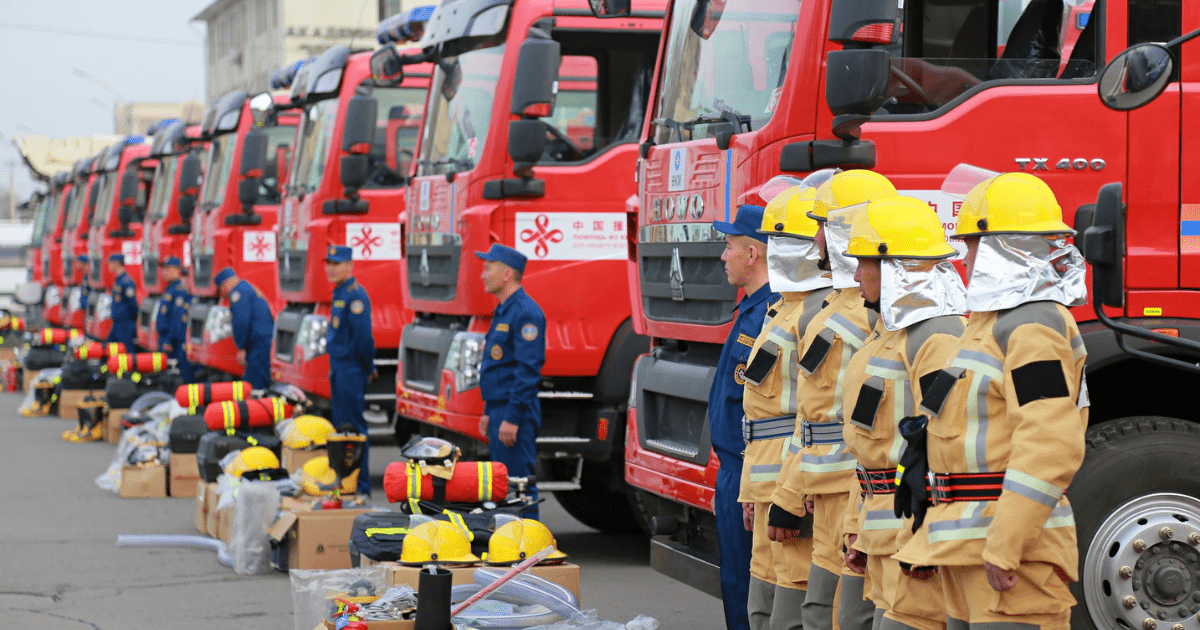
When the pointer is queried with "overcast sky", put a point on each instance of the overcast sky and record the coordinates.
(135, 50)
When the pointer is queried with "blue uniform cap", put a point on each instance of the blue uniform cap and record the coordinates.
(117, 258)
(224, 275)
(747, 223)
(506, 255)
(338, 253)
(171, 261)
(81, 258)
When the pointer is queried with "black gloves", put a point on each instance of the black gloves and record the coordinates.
(912, 494)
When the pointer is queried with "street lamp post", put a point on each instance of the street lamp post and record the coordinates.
(118, 99)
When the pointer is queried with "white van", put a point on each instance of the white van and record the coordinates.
(15, 238)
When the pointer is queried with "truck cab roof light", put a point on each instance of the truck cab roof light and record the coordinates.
(404, 27)
(135, 140)
(282, 78)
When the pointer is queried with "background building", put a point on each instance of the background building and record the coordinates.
(133, 119)
(249, 39)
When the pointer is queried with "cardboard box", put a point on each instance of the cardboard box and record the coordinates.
(565, 574)
(112, 425)
(68, 402)
(225, 523)
(293, 458)
(201, 507)
(184, 473)
(143, 482)
(318, 539)
(210, 509)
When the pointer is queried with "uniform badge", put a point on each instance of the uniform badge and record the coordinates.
(235, 296)
(335, 321)
(164, 309)
(357, 307)
(179, 301)
(116, 297)
(339, 303)
(529, 332)
(739, 374)
(497, 353)
(129, 292)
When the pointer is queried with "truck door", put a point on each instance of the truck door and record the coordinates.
(987, 82)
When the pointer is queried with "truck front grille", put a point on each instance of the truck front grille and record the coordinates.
(433, 271)
(291, 269)
(685, 283)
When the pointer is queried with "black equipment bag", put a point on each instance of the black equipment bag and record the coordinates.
(44, 357)
(120, 392)
(82, 374)
(377, 545)
(186, 432)
(214, 445)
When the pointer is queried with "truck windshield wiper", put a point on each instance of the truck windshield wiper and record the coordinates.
(740, 122)
(465, 164)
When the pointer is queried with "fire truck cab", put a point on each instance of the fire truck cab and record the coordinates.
(76, 299)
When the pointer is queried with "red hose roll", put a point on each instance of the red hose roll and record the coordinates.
(55, 336)
(472, 482)
(98, 350)
(232, 415)
(203, 394)
(144, 362)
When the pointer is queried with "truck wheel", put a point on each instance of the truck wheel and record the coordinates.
(1137, 515)
(605, 510)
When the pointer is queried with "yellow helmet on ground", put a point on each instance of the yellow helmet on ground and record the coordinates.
(787, 214)
(518, 539)
(307, 431)
(436, 541)
(1011, 203)
(316, 473)
(250, 459)
(848, 188)
(898, 227)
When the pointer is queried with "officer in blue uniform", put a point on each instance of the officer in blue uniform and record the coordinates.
(515, 349)
(124, 304)
(351, 349)
(253, 326)
(81, 272)
(745, 259)
(171, 322)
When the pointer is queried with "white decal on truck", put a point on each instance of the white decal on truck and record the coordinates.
(132, 250)
(677, 170)
(258, 245)
(569, 236)
(374, 241)
(946, 206)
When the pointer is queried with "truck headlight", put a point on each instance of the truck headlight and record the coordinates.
(75, 299)
(464, 359)
(53, 296)
(311, 336)
(219, 324)
(103, 307)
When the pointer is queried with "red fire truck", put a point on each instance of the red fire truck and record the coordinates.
(116, 225)
(911, 91)
(83, 203)
(353, 147)
(528, 140)
(234, 223)
(168, 219)
(47, 269)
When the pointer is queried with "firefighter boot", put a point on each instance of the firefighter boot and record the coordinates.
(854, 611)
(786, 613)
(818, 604)
(760, 604)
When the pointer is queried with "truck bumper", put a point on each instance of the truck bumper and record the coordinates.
(450, 410)
(698, 570)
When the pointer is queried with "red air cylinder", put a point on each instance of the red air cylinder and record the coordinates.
(15, 324)
(56, 336)
(144, 362)
(202, 394)
(472, 482)
(99, 350)
(232, 415)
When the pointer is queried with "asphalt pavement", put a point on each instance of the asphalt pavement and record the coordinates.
(62, 569)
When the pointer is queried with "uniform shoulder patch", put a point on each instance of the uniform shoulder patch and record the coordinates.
(529, 332)
(339, 303)
(746, 340)
(357, 307)
(235, 296)
(502, 327)
(1039, 379)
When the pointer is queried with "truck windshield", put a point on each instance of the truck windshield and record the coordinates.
(723, 57)
(164, 177)
(396, 124)
(78, 194)
(456, 127)
(278, 136)
(41, 218)
(108, 186)
(312, 148)
(220, 161)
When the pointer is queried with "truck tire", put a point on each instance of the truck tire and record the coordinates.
(599, 506)
(1136, 501)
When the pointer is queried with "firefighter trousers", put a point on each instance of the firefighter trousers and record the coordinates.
(1039, 599)
(906, 601)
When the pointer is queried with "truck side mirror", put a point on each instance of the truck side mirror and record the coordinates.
(387, 70)
(358, 134)
(127, 200)
(535, 83)
(93, 196)
(856, 83)
(190, 175)
(605, 9)
(1135, 77)
(1104, 248)
(254, 158)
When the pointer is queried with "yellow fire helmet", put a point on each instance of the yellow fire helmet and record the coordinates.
(787, 214)
(848, 188)
(898, 227)
(306, 431)
(437, 541)
(253, 458)
(316, 473)
(518, 539)
(1011, 203)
